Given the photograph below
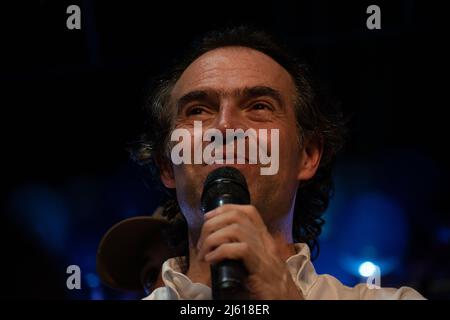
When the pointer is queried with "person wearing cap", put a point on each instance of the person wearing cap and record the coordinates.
(241, 79)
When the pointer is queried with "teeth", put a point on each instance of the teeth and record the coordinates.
(235, 158)
(219, 158)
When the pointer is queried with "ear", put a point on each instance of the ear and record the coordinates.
(310, 159)
(166, 173)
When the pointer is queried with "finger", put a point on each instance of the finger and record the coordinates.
(231, 233)
(221, 221)
(233, 251)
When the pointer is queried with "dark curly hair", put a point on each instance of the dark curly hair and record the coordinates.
(316, 119)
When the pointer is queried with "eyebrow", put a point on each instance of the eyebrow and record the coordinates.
(262, 91)
(195, 95)
(246, 93)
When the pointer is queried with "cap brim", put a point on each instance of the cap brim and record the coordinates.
(125, 249)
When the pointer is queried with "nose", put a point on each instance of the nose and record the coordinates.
(229, 117)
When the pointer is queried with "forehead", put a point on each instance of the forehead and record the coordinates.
(231, 68)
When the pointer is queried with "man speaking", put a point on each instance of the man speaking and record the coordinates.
(248, 234)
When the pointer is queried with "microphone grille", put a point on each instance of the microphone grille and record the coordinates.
(226, 173)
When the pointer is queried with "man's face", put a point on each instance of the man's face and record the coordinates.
(238, 88)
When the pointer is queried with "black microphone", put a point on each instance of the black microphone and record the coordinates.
(226, 185)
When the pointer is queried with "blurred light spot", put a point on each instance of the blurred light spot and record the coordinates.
(373, 227)
(443, 235)
(366, 269)
(97, 294)
(92, 280)
(43, 212)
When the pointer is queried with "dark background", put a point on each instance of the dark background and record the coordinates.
(71, 100)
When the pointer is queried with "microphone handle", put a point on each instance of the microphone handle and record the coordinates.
(228, 280)
(228, 276)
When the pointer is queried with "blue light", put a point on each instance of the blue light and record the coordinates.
(92, 280)
(97, 294)
(378, 232)
(44, 213)
(366, 269)
(443, 235)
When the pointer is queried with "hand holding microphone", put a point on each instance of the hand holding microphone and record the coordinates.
(246, 262)
(226, 185)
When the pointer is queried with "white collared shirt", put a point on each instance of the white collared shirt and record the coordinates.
(312, 285)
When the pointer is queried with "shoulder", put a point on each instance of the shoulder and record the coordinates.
(162, 293)
(402, 293)
(328, 287)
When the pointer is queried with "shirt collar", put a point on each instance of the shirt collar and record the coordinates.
(180, 285)
(301, 268)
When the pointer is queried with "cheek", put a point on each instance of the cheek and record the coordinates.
(290, 154)
(188, 182)
(183, 177)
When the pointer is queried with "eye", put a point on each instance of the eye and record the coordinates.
(195, 111)
(261, 106)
